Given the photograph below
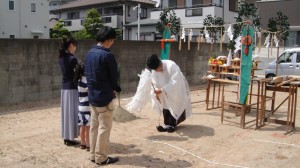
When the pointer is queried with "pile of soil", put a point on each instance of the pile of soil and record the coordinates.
(122, 115)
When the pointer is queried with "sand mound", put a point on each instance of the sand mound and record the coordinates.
(122, 115)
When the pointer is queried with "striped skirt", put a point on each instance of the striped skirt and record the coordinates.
(69, 114)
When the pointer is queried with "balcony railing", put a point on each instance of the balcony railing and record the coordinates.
(190, 7)
(193, 12)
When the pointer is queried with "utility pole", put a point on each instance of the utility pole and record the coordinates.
(139, 18)
(138, 7)
(124, 20)
(125, 3)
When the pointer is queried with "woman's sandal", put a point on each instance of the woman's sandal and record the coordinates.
(88, 148)
(82, 146)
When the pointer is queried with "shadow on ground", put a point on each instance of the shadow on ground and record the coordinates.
(150, 161)
(185, 132)
(143, 160)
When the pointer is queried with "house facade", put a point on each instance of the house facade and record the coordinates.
(112, 12)
(289, 8)
(54, 4)
(24, 19)
(191, 13)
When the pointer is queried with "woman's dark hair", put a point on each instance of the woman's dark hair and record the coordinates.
(153, 62)
(106, 33)
(79, 72)
(65, 44)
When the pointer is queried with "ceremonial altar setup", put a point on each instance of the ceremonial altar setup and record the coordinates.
(249, 93)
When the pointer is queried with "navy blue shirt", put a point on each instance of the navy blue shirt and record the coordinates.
(67, 65)
(101, 71)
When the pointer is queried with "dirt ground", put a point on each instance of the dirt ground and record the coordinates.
(30, 137)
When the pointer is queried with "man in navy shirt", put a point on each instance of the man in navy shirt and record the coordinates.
(101, 71)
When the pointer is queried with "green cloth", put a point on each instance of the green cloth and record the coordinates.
(246, 66)
(165, 52)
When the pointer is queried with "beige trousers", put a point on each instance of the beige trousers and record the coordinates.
(101, 124)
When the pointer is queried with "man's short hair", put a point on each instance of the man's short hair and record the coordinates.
(153, 62)
(106, 33)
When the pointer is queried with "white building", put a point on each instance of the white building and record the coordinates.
(191, 13)
(54, 4)
(111, 12)
(24, 19)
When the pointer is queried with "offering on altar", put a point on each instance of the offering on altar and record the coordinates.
(214, 61)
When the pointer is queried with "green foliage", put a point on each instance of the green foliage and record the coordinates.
(119, 34)
(92, 23)
(280, 24)
(59, 31)
(246, 11)
(213, 31)
(82, 34)
(168, 16)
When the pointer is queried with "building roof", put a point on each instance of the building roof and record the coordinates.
(143, 22)
(82, 3)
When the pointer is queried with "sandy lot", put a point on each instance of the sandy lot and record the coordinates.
(30, 137)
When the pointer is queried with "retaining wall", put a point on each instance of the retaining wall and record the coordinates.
(29, 70)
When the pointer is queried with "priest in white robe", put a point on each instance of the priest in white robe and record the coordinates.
(170, 95)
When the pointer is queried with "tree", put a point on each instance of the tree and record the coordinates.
(168, 16)
(246, 11)
(59, 31)
(279, 24)
(92, 23)
(82, 34)
(210, 22)
(119, 34)
(214, 21)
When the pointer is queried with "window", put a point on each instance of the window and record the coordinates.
(11, 36)
(298, 57)
(11, 5)
(190, 3)
(143, 13)
(286, 57)
(233, 5)
(36, 37)
(194, 12)
(106, 19)
(73, 15)
(32, 7)
(128, 10)
(168, 3)
(68, 23)
(99, 11)
(118, 11)
(82, 21)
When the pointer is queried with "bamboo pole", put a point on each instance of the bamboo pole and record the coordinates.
(259, 43)
(180, 40)
(221, 48)
(189, 40)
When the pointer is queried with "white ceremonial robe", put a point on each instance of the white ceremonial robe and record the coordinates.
(175, 94)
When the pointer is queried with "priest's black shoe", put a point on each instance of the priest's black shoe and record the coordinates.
(161, 129)
(170, 129)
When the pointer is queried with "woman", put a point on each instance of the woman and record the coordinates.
(69, 92)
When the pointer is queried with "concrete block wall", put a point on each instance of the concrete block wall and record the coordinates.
(29, 70)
